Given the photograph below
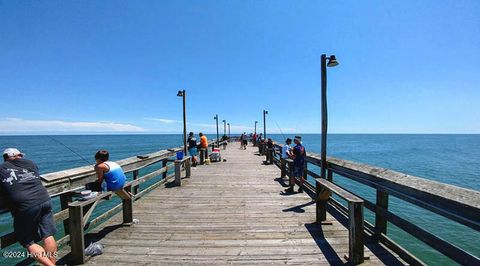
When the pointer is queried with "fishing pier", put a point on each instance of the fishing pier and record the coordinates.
(237, 212)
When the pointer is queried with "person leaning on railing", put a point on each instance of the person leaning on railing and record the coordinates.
(30, 205)
(112, 173)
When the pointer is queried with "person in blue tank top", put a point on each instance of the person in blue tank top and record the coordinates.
(111, 173)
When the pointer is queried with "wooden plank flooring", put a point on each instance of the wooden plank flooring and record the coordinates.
(232, 212)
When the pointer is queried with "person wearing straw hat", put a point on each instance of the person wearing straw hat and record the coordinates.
(30, 205)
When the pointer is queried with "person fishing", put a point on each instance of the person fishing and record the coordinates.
(30, 205)
(112, 173)
(192, 148)
(298, 155)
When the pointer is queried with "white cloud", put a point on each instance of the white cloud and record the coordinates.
(163, 120)
(18, 125)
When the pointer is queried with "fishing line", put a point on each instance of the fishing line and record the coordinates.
(59, 142)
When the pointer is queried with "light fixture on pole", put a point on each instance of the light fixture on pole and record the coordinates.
(183, 94)
(264, 124)
(216, 118)
(332, 61)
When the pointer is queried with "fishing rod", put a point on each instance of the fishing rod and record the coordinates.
(59, 142)
(280, 130)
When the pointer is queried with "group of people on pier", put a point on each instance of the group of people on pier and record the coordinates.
(31, 207)
(296, 153)
(22, 191)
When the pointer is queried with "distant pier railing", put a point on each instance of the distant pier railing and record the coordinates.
(456, 204)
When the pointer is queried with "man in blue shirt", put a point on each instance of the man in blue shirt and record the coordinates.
(298, 163)
(28, 200)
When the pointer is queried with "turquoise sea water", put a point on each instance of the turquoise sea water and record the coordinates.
(452, 159)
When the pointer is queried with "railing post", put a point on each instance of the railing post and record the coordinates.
(202, 155)
(127, 205)
(380, 219)
(323, 195)
(271, 152)
(178, 180)
(329, 175)
(77, 243)
(305, 171)
(65, 199)
(135, 177)
(268, 155)
(283, 167)
(290, 173)
(188, 168)
(355, 232)
(164, 164)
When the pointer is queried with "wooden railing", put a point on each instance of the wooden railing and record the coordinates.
(454, 203)
(75, 214)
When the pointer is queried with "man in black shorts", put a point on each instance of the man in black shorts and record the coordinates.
(28, 200)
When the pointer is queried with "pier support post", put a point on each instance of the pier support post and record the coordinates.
(323, 195)
(283, 167)
(355, 232)
(127, 206)
(188, 167)
(380, 219)
(178, 179)
(77, 243)
(202, 155)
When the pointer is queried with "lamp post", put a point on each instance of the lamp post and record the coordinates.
(228, 130)
(332, 61)
(183, 94)
(255, 131)
(224, 127)
(264, 124)
(216, 118)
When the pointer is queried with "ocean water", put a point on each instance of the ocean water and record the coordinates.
(452, 159)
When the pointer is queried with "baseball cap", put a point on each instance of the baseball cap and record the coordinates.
(12, 152)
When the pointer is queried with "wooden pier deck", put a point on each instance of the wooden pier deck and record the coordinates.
(232, 212)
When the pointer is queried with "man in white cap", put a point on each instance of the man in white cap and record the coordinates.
(28, 200)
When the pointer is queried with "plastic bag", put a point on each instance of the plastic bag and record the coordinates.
(94, 249)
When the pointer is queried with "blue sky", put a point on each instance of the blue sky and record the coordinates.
(116, 66)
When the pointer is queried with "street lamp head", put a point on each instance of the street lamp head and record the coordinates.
(266, 112)
(332, 61)
(180, 93)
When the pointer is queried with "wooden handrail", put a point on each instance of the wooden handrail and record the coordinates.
(455, 203)
(63, 183)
